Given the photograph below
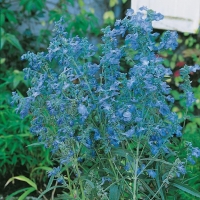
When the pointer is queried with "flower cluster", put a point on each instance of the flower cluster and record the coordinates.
(86, 111)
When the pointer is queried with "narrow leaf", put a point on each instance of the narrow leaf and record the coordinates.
(15, 193)
(2, 42)
(2, 19)
(50, 182)
(36, 144)
(22, 178)
(51, 188)
(158, 182)
(186, 188)
(158, 160)
(149, 189)
(25, 194)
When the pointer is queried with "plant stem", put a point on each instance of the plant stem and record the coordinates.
(69, 179)
(136, 169)
(113, 168)
(79, 179)
(53, 192)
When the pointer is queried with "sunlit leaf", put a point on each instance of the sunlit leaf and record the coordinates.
(22, 178)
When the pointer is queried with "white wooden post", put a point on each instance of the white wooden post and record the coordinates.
(180, 15)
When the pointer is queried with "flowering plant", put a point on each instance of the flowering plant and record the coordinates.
(109, 130)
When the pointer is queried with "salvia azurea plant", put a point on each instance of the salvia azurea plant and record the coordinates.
(110, 129)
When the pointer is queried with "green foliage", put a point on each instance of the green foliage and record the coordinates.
(109, 16)
(10, 38)
(32, 5)
(77, 24)
(31, 182)
(14, 132)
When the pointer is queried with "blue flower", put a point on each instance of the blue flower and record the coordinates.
(127, 116)
(143, 8)
(132, 40)
(82, 109)
(158, 16)
(151, 173)
(190, 98)
(164, 109)
(54, 172)
(195, 152)
(129, 133)
(194, 68)
(118, 22)
(88, 143)
(129, 12)
(104, 179)
(61, 180)
(181, 168)
(140, 169)
(127, 167)
(191, 160)
(97, 135)
(169, 40)
(67, 158)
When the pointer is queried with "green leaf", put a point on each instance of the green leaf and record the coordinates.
(39, 4)
(113, 3)
(175, 94)
(197, 120)
(22, 178)
(90, 183)
(191, 128)
(158, 181)
(11, 17)
(30, 5)
(109, 16)
(149, 189)
(185, 188)
(16, 82)
(172, 65)
(42, 168)
(50, 182)
(23, 2)
(114, 192)
(3, 40)
(81, 3)
(2, 19)
(25, 194)
(123, 153)
(36, 144)
(14, 41)
(2, 60)
(166, 62)
(157, 160)
(2, 31)
(47, 190)
(15, 193)
(64, 196)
